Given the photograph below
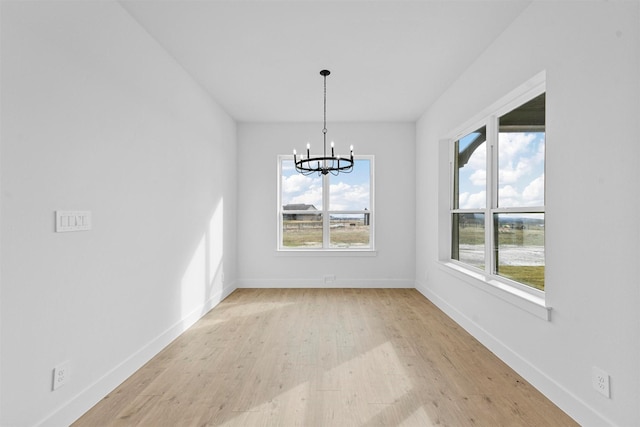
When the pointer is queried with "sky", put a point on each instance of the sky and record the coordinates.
(520, 172)
(350, 191)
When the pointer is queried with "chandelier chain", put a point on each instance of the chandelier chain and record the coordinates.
(325, 104)
(324, 129)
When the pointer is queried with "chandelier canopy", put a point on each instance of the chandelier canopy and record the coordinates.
(323, 164)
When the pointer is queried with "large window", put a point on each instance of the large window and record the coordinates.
(497, 212)
(325, 212)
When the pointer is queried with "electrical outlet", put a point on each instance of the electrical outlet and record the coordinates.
(60, 375)
(329, 278)
(600, 381)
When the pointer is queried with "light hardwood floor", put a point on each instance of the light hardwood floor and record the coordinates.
(325, 357)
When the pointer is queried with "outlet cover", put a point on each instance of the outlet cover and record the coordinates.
(60, 375)
(600, 381)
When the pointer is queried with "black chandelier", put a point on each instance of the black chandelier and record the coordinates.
(324, 164)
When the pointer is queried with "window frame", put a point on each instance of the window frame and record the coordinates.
(326, 213)
(490, 119)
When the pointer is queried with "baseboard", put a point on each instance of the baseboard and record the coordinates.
(320, 283)
(559, 395)
(85, 400)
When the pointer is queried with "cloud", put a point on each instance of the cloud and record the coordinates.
(474, 173)
(514, 144)
(298, 188)
(508, 196)
(298, 182)
(509, 174)
(516, 157)
(520, 172)
(313, 196)
(462, 200)
(351, 192)
(533, 194)
(349, 197)
(479, 177)
(472, 200)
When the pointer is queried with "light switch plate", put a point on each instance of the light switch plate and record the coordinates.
(73, 221)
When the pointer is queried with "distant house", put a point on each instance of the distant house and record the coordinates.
(299, 216)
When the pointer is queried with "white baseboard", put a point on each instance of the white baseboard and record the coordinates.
(82, 402)
(319, 283)
(559, 395)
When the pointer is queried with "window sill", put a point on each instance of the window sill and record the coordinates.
(327, 252)
(531, 303)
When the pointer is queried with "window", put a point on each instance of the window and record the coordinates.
(325, 212)
(497, 209)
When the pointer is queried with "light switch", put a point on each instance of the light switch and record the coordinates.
(73, 221)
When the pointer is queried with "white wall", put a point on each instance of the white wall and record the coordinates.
(590, 51)
(96, 116)
(259, 264)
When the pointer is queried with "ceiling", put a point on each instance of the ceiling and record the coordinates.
(389, 60)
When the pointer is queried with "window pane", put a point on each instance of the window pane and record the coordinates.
(468, 239)
(519, 249)
(350, 230)
(298, 191)
(302, 230)
(470, 175)
(350, 191)
(521, 143)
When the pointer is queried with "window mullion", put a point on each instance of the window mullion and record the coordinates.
(325, 212)
(453, 182)
(492, 194)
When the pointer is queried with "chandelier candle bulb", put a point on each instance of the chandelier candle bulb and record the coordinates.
(332, 155)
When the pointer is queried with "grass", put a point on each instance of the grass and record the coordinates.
(350, 236)
(528, 274)
(307, 234)
(532, 275)
(302, 238)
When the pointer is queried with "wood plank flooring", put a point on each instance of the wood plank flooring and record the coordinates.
(325, 357)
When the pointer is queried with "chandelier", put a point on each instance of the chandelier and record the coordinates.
(324, 164)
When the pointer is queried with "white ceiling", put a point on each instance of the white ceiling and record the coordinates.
(389, 60)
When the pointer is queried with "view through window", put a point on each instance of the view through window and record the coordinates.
(498, 196)
(326, 212)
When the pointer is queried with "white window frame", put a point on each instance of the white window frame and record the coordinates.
(326, 213)
(527, 297)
